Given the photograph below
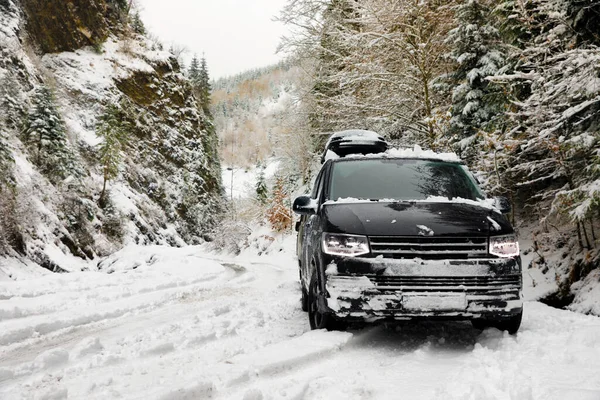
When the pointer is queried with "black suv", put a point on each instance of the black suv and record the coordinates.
(402, 235)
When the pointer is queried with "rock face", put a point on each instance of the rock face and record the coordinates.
(168, 190)
(69, 25)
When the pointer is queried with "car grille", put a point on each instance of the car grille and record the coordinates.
(484, 285)
(429, 248)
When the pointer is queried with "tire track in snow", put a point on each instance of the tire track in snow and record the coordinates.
(16, 331)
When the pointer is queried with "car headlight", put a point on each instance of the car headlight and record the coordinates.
(345, 245)
(504, 246)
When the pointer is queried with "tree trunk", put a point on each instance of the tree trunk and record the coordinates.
(101, 200)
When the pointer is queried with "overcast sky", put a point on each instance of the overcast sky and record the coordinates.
(234, 35)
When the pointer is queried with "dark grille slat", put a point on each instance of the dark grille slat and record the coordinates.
(473, 285)
(434, 247)
(445, 280)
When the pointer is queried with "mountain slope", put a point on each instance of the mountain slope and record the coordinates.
(249, 110)
(168, 187)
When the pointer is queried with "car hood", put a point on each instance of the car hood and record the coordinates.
(414, 219)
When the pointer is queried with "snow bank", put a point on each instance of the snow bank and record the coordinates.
(587, 294)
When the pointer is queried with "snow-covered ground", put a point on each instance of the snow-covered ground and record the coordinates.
(167, 323)
(242, 181)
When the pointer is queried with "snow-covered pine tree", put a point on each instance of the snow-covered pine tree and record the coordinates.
(553, 156)
(137, 24)
(114, 132)
(203, 88)
(12, 111)
(45, 134)
(478, 53)
(262, 192)
(6, 162)
(11, 114)
(194, 71)
(200, 80)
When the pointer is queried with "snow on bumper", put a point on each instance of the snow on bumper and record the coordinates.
(404, 289)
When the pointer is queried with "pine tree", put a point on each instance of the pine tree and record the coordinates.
(12, 111)
(262, 192)
(194, 71)
(46, 135)
(137, 24)
(200, 80)
(11, 115)
(114, 131)
(204, 88)
(6, 162)
(476, 49)
(556, 114)
(339, 22)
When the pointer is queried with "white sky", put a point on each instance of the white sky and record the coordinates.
(234, 35)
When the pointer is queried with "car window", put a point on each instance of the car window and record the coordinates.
(316, 190)
(400, 179)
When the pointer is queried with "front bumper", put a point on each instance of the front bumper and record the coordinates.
(372, 289)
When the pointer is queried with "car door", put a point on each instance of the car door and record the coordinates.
(310, 228)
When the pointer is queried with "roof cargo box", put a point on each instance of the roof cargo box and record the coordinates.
(354, 142)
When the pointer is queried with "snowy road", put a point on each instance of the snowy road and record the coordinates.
(186, 324)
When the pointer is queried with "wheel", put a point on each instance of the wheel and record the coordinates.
(317, 319)
(304, 298)
(479, 324)
(511, 324)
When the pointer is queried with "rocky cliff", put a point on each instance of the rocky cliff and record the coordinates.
(84, 53)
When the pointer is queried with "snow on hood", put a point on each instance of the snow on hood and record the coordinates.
(484, 203)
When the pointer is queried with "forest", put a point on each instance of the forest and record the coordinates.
(513, 87)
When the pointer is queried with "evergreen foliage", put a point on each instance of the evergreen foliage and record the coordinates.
(137, 24)
(46, 136)
(12, 110)
(262, 192)
(114, 131)
(523, 79)
(194, 71)
(11, 114)
(6, 163)
(204, 88)
(200, 80)
(476, 102)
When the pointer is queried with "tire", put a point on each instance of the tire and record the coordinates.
(304, 298)
(510, 324)
(479, 324)
(317, 319)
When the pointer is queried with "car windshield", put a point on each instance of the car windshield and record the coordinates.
(401, 179)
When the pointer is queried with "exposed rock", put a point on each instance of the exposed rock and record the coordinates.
(68, 25)
(168, 190)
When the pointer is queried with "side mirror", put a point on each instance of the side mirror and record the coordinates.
(304, 205)
(502, 204)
